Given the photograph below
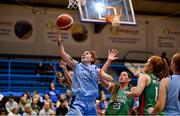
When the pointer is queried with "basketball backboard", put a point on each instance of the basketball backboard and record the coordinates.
(97, 10)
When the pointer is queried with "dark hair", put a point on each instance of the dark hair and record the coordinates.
(130, 77)
(52, 82)
(11, 96)
(129, 74)
(93, 53)
(163, 54)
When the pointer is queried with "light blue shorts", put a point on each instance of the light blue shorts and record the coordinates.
(81, 107)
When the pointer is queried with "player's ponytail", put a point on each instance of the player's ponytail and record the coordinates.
(160, 66)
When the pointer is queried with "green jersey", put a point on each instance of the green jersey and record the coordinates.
(149, 95)
(119, 104)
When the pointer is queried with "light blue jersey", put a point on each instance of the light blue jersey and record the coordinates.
(172, 106)
(84, 89)
(85, 81)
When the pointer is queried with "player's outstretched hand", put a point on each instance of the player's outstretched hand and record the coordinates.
(112, 54)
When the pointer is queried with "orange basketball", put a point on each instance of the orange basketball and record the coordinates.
(64, 21)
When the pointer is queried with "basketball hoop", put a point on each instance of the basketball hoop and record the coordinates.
(114, 19)
(73, 4)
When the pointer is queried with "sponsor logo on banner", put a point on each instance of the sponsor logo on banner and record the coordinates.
(167, 31)
(16, 29)
(166, 36)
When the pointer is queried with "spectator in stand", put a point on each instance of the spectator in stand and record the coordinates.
(103, 103)
(52, 105)
(47, 111)
(62, 105)
(1, 97)
(3, 111)
(68, 95)
(135, 106)
(38, 96)
(10, 104)
(27, 97)
(46, 97)
(50, 70)
(40, 69)
(14, 112)
(29, 111)
(22, 104)
(98, 106)
(36, 105)
(1, 102)
(36, 102)
(53, 93)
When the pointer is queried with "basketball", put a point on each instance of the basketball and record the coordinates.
(64, 21)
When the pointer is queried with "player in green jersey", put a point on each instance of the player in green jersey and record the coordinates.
(119, 104)
(169, 92)
(147, 87)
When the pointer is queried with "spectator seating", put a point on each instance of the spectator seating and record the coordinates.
(18, 76)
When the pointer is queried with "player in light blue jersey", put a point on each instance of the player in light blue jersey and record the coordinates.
(169, 93)
(85, 80)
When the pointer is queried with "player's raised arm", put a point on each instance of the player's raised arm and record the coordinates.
(141, 84)
(105, 76)
(111, 57)
(66, 57)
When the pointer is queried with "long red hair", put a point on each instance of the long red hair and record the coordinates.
(160, 66)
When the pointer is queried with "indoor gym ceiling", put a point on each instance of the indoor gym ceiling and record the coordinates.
(146, 7)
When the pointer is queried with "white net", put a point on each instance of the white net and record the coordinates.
(117, 16)
(115, 21)
(73, 4)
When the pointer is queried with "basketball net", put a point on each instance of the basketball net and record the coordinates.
(73, 4)
(115, 21)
